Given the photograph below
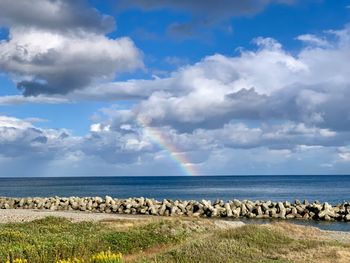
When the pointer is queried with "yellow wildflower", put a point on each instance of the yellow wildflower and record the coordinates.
(69, 260)
(107, 257)
(17, 260)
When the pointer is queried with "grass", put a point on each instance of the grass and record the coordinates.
(173, 240)
(252, 243)
(53, 239)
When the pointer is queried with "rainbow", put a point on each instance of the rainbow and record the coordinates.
(176, 155)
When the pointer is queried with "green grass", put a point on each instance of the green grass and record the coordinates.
(145, 237)
(51, 239)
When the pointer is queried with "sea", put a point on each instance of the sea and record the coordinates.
(325, 188)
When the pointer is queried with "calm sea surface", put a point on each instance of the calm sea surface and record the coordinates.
(332, 189)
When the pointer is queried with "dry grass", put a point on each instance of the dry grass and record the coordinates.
(296, 231)
(281, 242)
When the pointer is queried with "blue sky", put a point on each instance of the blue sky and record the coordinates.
(174, 87)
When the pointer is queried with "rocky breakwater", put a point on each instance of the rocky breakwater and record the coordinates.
(231, 209)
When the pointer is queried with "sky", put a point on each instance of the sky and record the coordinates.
(174, 87)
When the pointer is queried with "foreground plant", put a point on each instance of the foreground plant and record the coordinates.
(68, 260)
(17, 260)
(107, 257)
(102, 257)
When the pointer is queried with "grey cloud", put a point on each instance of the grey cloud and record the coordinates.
(212, 9)
(181, 30)
(57, 46)
(49, 63)
(61, 15)
(110, 148)
(205, 13)
(19, 138)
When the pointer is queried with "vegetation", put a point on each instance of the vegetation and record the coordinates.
(53, 239)
(58, 240)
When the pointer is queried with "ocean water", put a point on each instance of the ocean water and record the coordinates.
(332, 188)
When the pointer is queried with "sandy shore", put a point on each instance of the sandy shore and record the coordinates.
(25, 215)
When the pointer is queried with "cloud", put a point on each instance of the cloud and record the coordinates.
(129, 149)
(266, 84)
(20, 138)
(60, 15)
(312, 39)
(181, 30)
(204, 13)
(19, 100)
(264, 100)
(211, 9)
(264, 109)
(42, 60)
(344, 154)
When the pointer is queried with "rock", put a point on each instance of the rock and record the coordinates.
(300, 209)
(265, 207)
(236, 213)
(327, 218)
(228, 210)
(250, 207)
(244, 210)
(153, 210)
(282, 210)
(237, 203)
(204, 208)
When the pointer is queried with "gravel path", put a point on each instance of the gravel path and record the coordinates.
(25, 215)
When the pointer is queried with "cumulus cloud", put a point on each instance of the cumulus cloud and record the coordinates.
(61, 15)
(42, 60)
(20, 138)
(272, 108)
(265, 84)
(264, 100)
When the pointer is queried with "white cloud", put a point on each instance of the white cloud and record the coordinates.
(344, 154)
(262, 110)
(314, 40)
(44, 62)
(265, 84)
(63, 49)
(19, 99)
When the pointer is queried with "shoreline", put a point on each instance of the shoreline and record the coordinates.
(234, 209)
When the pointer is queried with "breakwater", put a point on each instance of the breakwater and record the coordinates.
(205, 208)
